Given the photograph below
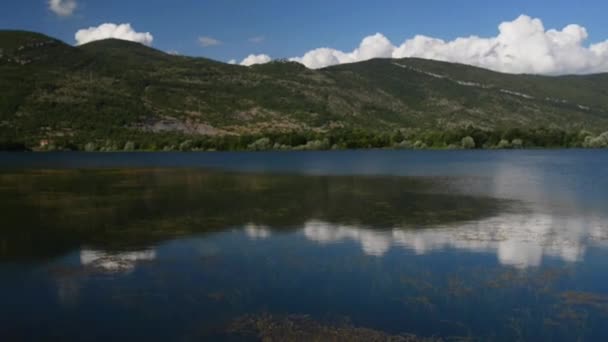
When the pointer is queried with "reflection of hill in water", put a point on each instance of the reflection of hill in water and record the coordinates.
(52, 212)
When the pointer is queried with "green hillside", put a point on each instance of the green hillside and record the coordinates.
(110, 92)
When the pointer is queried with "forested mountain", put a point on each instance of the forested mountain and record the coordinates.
(110, 92)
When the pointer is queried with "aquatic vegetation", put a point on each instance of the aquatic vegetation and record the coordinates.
(458, 288)
(268, 327)
(542, 281)
(420, 302)
(217, 296)
(416, 282)
(585, 299)
(571, 316)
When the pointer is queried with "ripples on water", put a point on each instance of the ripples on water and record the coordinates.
(486, 246)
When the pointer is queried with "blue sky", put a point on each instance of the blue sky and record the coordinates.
(291, 28)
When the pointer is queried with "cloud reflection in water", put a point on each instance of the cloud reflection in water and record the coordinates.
(114, 262)
(255, 232)
(520, 240)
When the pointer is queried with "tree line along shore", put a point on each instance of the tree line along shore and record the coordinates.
(464, 138)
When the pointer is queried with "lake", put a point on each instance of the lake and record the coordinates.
(362, 245)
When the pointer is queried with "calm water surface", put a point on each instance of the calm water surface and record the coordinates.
(488, 246)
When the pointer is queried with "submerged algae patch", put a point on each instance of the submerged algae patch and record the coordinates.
(268, 327)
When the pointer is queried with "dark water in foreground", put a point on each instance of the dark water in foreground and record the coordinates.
(503, 245)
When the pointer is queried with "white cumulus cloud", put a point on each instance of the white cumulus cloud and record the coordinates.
(371, 47)
(523, 45)
(255, 59)
(109, 30)
(63, 8)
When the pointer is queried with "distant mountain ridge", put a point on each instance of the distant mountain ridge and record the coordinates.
(51, 89)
